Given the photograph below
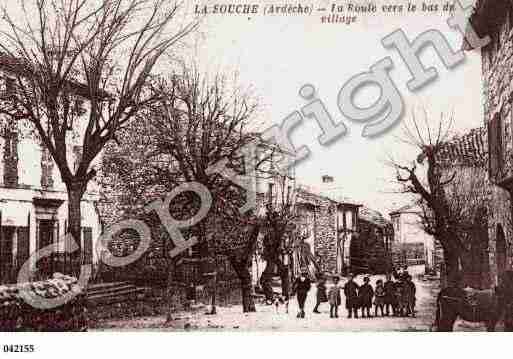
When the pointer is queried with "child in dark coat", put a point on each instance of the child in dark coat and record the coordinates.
(351, 293)
(334, 298)
(321, 294)
(301, 287)
(409, 292)
(379, 300)
(390, 300)
(399, 298)
(365, 295)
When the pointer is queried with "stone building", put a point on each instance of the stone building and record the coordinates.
(370, 251)
(33, 199)
(408, 229)
(128, 184)
(327, 225)
(344, 235)
(495, 19)
(464, 159)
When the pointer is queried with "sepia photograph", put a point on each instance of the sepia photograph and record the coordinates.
(255, 166)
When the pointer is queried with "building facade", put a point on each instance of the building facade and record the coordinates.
(344, 235)
(370, 251)
(33, 206)
(495, 19)
(33, 199)
(409, 231)
(328, 227)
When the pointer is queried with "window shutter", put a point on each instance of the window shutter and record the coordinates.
(6, 254)
(23, 251)
(500, 154)
(492, 149)
(10, 159)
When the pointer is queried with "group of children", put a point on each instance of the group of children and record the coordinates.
(396, 297)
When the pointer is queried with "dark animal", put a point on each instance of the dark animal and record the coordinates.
(486, 306)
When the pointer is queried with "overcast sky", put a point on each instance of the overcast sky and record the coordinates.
(277, 55)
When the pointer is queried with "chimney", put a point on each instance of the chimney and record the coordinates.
(327, 179)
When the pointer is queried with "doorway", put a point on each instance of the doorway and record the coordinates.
(45, 236)
(7, 238)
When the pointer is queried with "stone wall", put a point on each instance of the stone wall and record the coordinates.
(497, 64)
(320, 214)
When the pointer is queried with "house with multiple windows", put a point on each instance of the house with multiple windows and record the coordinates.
(344, 235)
(33, 199)
(328, 224)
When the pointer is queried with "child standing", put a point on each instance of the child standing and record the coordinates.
(334, 298)
(366, 294)
(409, 292)
(351, 293)
(301, 287)
(321, 293)
(390, 298)
(379, 301)
(400, 305)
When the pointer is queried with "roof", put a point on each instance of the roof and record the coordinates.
(21, 67)
(409, 208)
(487, 14)
(469, 150)
(310, 195)
(334, 196)
(372, 216)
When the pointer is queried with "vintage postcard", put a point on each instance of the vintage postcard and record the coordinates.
(255, 166)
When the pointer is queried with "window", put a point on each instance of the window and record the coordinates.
(495, 147)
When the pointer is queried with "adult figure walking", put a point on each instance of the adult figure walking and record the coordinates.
(351, 293)
(301, 288)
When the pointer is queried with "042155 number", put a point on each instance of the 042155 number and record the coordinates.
(18, 348)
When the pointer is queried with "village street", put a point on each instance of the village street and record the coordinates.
(267, 318)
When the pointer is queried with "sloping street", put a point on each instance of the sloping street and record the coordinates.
(268, 317)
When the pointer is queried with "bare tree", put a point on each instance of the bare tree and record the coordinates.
(440, 216)
(64, 51)
(199, 125)
(280, 231)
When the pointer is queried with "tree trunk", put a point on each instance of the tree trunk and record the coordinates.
(452, 254)
(452, 268)
(266, 280)
(170, 289)
(75, 194)
(242, 271)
